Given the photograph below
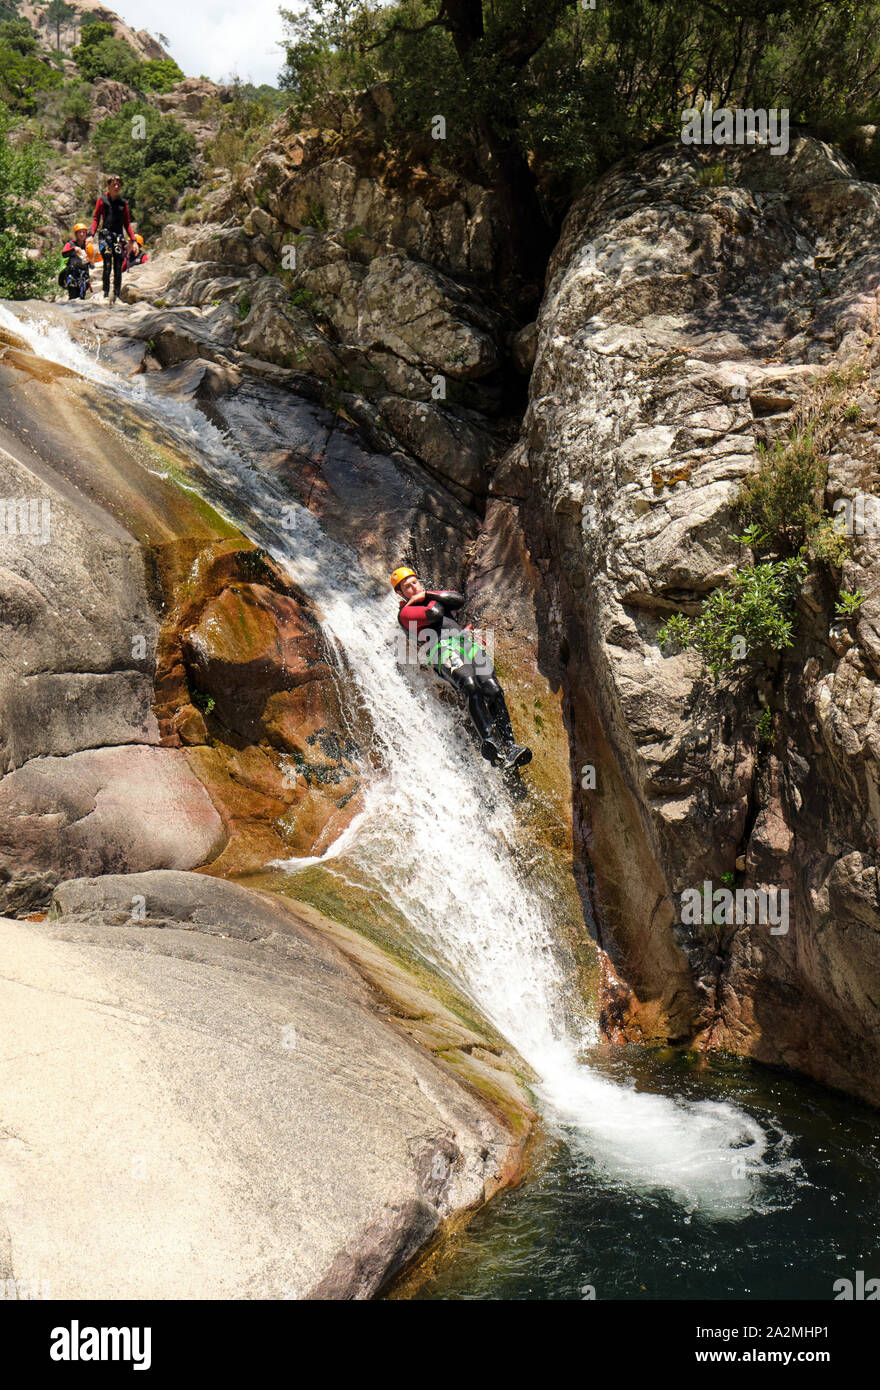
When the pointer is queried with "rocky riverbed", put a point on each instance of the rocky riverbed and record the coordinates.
(172, 714)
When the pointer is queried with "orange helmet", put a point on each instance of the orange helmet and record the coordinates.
(400, 574)
(138, 238)
(80, 226)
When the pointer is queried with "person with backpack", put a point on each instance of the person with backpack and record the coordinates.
(112, 216)
(74, 275)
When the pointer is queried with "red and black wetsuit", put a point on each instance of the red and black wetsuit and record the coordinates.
(461, 660)
(431, 613)
(112, 216)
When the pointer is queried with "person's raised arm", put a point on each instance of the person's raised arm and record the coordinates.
(417, 614)
(450, 598)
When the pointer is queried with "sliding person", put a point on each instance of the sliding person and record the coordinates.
(458, 658)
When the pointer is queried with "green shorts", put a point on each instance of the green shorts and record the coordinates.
(454, 650)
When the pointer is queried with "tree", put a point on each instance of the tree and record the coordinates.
(23, 72)
(158, 75)
(154, 170)
(58, 14)
(547, 93)
(100, 54)
(18, 34)
(66, 112)
(455, 61)
(22, 166)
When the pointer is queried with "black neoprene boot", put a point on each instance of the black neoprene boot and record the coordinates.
(482, 722)
(512, 754)
(515, 756)
(498, 709)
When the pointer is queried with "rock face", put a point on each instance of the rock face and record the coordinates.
(144, 45)
(341, 172)
(681, 326)
(225, 1106)
(165, 701)
(381, 289)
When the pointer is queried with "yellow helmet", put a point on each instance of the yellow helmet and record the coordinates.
(400, 574)
(80, 226)
(138, 238)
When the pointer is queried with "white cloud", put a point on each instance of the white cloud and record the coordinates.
(219, 38)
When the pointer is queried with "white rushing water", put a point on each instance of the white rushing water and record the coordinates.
(438, 841)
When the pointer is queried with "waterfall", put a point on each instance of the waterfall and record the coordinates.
(437, 837)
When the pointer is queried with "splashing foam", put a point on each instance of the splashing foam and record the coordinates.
(430, 841)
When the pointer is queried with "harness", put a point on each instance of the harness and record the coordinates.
(114, 242)
(452, 650)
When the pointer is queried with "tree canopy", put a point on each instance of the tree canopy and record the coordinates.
(24, 72)
(570, 88)
(22, 166)
(100, 54)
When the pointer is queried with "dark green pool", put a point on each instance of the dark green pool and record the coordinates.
(817, 1218)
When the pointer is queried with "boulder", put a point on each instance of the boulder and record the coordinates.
(409, 309)
(455, 448)
(103, 810)
(108, 99)
(277, 329)
(248, 644)
(274, 1132)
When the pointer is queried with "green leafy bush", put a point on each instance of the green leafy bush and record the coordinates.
(783, 497)
(764, 729)
(158, 75)
(830, 543)
(243, 123)
(848, 604)
(206, 703)
(756, 610)
(24, 71)
(712, 176)
(22, 166)
(66, 112)
(18, 34)
(100, 54)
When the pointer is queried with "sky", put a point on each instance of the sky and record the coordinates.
(217, 38)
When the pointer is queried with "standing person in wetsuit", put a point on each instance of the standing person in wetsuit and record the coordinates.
(75, 275)
(457, 657)
(112, 216)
